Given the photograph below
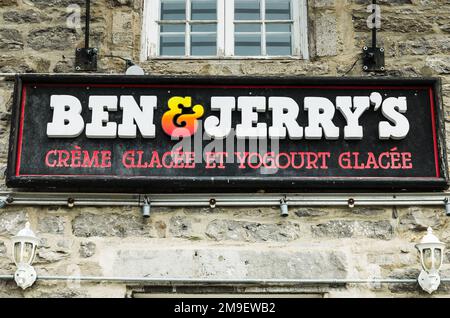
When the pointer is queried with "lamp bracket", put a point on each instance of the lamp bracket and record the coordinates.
(25, 275)
(86, 59)
(373, 59)
(429, 281)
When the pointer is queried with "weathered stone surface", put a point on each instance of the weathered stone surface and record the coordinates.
(386, 2)
(445, 27)
(122, 22)
(12, 64)
(53, 38)
(410, 273)
(63, 4)
(12, 222)
(40, 65)
(326, 36)
(392, 259)
(225, 263)
(310, 212)
(49, 255)
(120, 225)
(44, 243)
(346, 229)
(10, 39)
(122, 2)
(394, 22)
(180, 226)
(324, 3)
(368, 211)
(424, 46)
(417, 220)
(8, 289)
(160, 227)
(4, 3)
(56, 292)
(251, 231)
(51, 224)
(2, 249)
(87, 249)
(64, 66)
(440, 65)
(27, 16)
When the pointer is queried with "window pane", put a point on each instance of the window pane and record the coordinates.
(437, 258)
(179, 27)
(247, 27)
(278, 9)
(172, 44)
(204, 9)
(278, 44)
(203, 44)
(278, 27)
(427, 259)
(204, 27)
(173, 10)
(247, 44)
(247, 9)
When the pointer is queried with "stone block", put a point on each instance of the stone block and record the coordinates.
(180, 226)
(87, 249)
(63, 4)
(10, 39)
(439, 64)
(326, 34)
(119, 225)
(51, 224)
(346, 229)
(252, 231)
(230, 263)
(310, 212)
(26, 16)
(5, 3)
(416, 219)
(3, 249)
(51, 255)
(12, 222)
(52, 38)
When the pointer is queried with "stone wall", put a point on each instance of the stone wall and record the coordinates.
(224, 243)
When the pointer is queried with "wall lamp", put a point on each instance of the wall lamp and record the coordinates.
(25, 244)
(431, 257)
(131, 68)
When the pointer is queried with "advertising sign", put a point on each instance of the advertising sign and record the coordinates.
(143, 133)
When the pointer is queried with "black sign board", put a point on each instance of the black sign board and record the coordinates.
(142, 133)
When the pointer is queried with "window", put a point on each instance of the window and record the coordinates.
(224, 28)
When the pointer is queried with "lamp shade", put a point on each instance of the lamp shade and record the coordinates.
(431, 252)
(24, 246)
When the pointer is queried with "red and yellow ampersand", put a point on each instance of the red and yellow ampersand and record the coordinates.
(176, 123)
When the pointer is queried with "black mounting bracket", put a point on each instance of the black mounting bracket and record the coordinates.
(86, 59)
(373, 59)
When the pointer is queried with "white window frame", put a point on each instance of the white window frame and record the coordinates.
(225, 33)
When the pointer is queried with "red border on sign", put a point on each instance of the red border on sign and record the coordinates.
(433, 125)
(22, 115)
